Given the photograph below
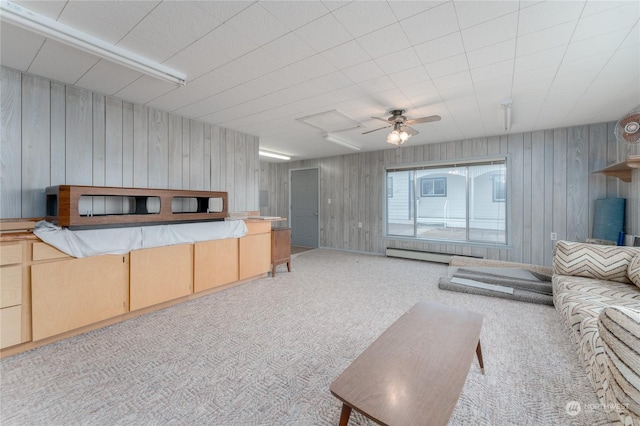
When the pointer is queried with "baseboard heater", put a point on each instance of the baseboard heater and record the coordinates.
(419, 255)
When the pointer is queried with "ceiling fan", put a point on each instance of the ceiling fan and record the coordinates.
(401, 126)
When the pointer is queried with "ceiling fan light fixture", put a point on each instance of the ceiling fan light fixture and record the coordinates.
(394, 138)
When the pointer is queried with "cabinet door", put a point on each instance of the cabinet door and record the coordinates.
(255, 255)
(69, 294)
(215, 263)
(160, 274)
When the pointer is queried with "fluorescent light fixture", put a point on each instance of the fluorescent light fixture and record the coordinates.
(14, 14)
(338, 141)
(505, 107)
(273, 155)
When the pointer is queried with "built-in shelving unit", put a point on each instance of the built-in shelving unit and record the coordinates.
(622, 170)
(94, 206)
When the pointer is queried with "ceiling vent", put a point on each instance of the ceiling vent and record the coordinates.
(330, 121)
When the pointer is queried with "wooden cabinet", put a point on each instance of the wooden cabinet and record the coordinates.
(280, 248)
(215, 263)
(255, 250)
(160, 274)
(69, 294)
(13, 284)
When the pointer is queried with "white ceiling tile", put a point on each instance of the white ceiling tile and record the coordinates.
(593, 7)
(61, 63)
(18, 55)
(284, 77)
(50, 9)
(289, 49)
(257, 25)
(334, 81)
(260, 61)
(193, 63)
(425, 87)
(352, 16)
(606, 43)
(431, 24)
(346, 55)
(491, 32)
(633, 38)
(107, 77)
(404, 9)
(295, 17)
(314, 66)
(364, 71)
(471, 13)
(222, 11)
(498, 52)
(440, 48)
(501, 87)
(384, 41)
(447, 66)
(323, 33)
(88, 17)
(410, 76)
(548, 58)
(398, 61)
(545, 39)
(145, 89)
(618, 19)
(461, 79)
(548, 14)
(335, 4)
(376, 85)
(500, 70)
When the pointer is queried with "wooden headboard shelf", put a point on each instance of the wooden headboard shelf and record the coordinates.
(80, 207)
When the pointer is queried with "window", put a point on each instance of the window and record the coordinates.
(499, 188)
(433, 187)
(451, 202)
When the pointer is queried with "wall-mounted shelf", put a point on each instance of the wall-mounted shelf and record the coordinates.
(95, 206)
(622, 170)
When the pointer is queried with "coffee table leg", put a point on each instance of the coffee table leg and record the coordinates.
(479, 354)
(344, 415)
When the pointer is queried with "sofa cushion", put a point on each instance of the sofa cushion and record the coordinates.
(633, 271)
(619, 329)
(593, 261)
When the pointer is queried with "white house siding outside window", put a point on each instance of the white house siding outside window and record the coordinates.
(452, 202)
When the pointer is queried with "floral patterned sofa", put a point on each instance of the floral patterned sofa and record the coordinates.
(596, 290)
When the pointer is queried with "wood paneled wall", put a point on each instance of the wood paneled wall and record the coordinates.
(53, 134)
(550, 184)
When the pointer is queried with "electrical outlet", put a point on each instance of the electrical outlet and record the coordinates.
(554, 236)
(359, 224)
(329, 201)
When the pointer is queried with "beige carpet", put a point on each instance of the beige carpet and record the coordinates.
(265, 353)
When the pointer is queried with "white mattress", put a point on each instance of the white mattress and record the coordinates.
(95, 242)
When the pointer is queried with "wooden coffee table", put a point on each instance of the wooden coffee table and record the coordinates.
(414, 372)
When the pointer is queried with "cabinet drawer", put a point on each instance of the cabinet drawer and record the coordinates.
(43, 251)
(10, 285)
(258, 227)
(10, 326)
(10, 253)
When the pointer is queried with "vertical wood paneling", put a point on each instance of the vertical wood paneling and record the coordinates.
(158, 149)
(140, 146)
(127, 144)
(196, 155)
(175, 151)
(597, 159)
(36, 137)
(10, 143)
(98, 166)
(537, 204)
(79, 129)
(577, 184)
(58, 151)
(55, 132)
(538, 185)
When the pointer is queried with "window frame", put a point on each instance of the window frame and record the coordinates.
(433, 180)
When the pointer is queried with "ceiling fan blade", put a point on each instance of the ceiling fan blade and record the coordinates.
(410, 130)
(424, 119)
(375, 130)
(381, 119)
